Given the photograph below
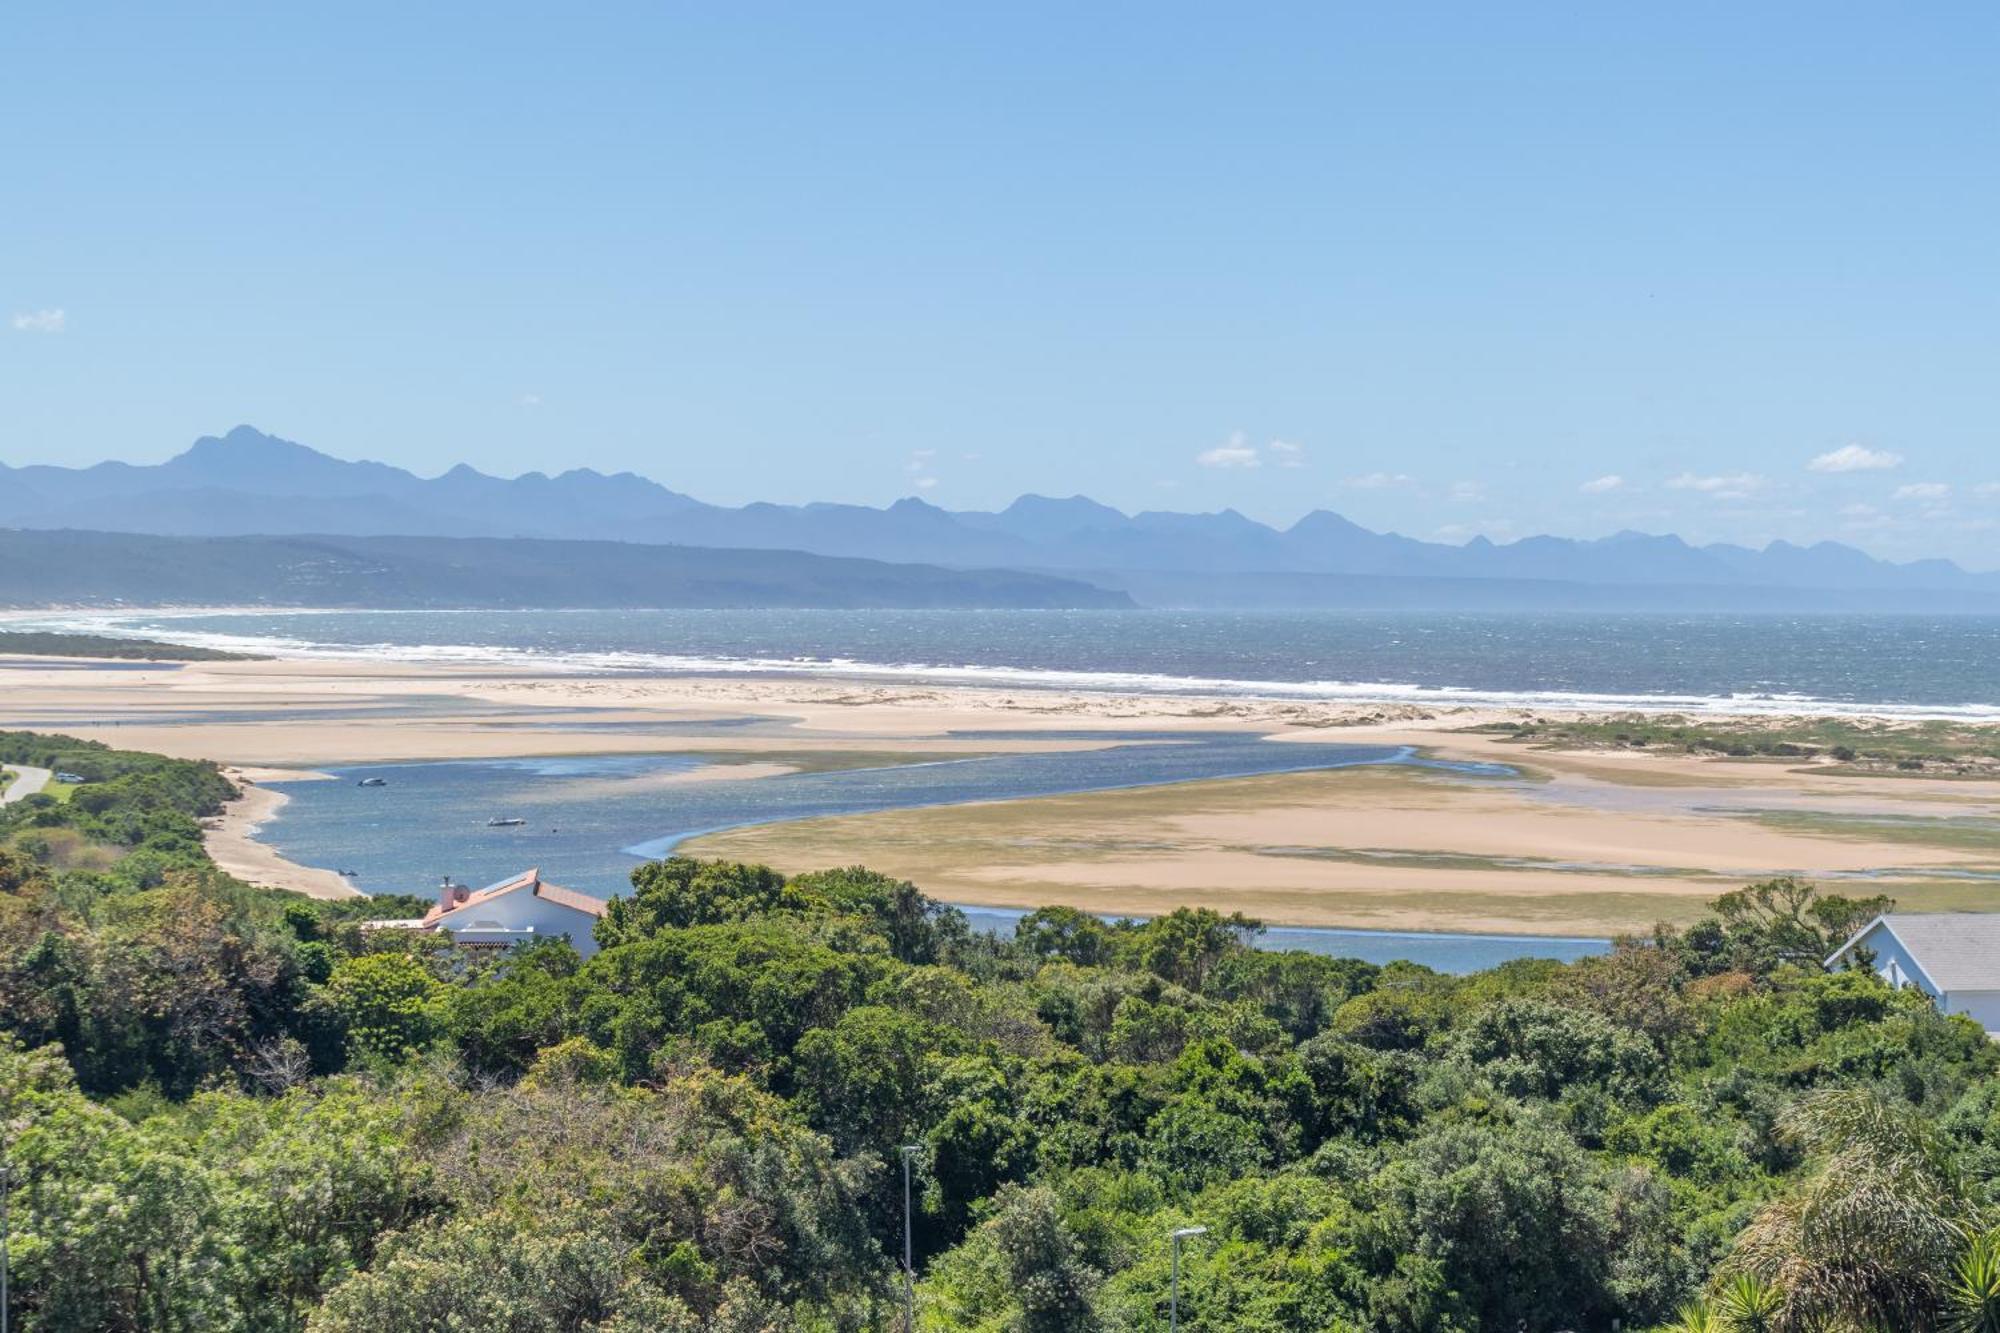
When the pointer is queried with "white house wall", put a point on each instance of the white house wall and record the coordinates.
(1981, 1006)
(522, 910)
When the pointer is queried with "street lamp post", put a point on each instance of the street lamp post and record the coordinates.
(6, 1188)
(1174, 1295)
(909, 1269)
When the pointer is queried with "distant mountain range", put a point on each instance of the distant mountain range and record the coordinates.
(247, 483)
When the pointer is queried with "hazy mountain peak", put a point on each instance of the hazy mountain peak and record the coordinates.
(246, 442)
(1034, 516)
(1325, 520)
(1072, 504)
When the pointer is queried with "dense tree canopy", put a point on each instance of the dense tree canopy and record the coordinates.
(231, 1109)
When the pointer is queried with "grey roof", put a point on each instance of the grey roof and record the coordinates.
(1958, 951)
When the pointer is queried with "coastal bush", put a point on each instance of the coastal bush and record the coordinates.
(230, 1109)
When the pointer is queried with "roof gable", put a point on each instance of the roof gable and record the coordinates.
(1956, 951)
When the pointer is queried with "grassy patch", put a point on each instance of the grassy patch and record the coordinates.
(1852, 744)
(1469, 861)
(1940, 833)
(66, 849)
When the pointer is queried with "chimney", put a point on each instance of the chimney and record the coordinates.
(451, 895)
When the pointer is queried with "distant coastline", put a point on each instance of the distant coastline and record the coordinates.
(1448, 663)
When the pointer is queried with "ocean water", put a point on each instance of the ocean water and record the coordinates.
(590, 820)
(1906, 666)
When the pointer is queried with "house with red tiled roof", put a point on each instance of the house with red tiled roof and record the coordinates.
(519, 910)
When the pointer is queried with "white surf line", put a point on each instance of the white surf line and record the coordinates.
(1134, 684)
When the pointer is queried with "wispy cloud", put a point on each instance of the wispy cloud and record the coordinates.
(1287, 454)
(918, 467)
(1379, 481)
(1856, 458)
(1239, 452)
(1603, 485)
(1726, 486)
(1923, 490)
(41, 321)
(529, 400)
(1466, 491)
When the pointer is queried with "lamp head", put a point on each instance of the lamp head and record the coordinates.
(1184, 1232)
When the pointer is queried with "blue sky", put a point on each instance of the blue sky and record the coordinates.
(1444, 268)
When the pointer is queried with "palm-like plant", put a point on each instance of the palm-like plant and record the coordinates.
(1696, 1317)
(1973, 1300)
(1866, 1240)
(1749, 1304)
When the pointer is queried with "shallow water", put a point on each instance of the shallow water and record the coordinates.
(1442, 952)
(592, 819)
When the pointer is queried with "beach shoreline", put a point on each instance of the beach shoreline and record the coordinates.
(231, 840)
(1431, 857)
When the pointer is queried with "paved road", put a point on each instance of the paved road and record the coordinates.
(27, 781)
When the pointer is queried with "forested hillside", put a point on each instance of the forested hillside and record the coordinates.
(229, 1109)
(81, 568)
(29, 643)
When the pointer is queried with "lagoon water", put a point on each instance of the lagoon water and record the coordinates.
(595, 817)
(591, 820)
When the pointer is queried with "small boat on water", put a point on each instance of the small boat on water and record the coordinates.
(497, 822)
(373, 782)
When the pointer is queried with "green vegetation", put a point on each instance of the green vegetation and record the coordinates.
(232, 1109)
(32, 644)
(1855, 744)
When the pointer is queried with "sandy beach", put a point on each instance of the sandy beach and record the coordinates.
(1585, 842)
(231, 839)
